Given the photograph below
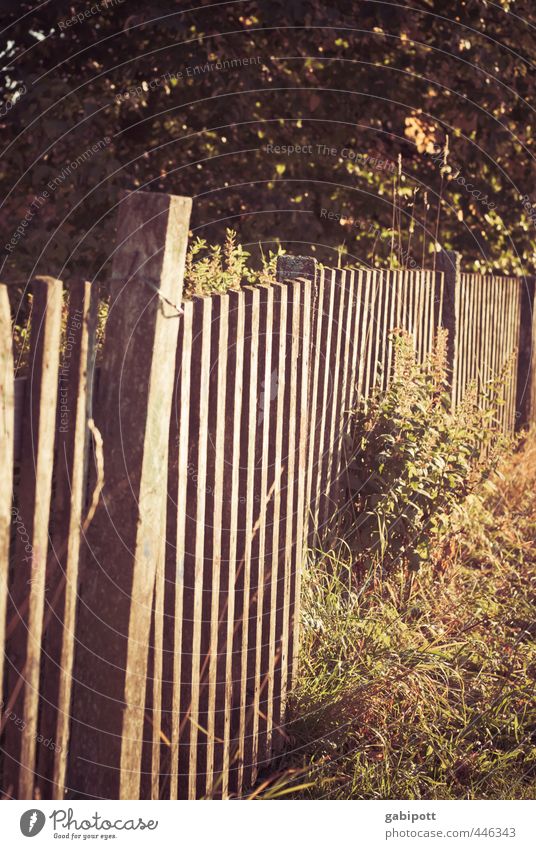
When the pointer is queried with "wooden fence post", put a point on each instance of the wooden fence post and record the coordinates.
(449, 262)
(526, 367)
(132, 411)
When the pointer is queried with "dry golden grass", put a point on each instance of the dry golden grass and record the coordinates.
(427, 693)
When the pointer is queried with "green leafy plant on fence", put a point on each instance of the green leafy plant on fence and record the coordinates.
(412, 458)
(213, 269)
(210, 270)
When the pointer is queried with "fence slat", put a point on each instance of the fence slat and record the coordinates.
(450, 315)
(487, 319)
(201, 471)
(515, 288)
(362, 331)
(158, 663)
(334, 372)
(526, 359)
(7, 444)
(258, 746)
(236, 388)
(213, 726)
(188, 631)
(183, 402)
(370, 331)
(353, 333)
(384, 329)
(316, 353)
(252, 301)
(347, 392)
(391, 284)
(497, 310)
(33, 511)
(76, 376)
(330, 292)
(500, 308)
(429, 311)
(464, 338)
(377, 329)
(475, 328)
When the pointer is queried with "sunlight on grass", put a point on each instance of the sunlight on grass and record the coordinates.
(431, 696)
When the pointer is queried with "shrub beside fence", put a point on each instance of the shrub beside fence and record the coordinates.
(152, 627)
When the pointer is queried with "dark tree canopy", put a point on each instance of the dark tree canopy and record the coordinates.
(424, 101)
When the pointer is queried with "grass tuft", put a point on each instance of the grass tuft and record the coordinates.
(427, 695)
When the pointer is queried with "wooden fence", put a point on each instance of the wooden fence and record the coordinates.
(150, 561)
(487, 339)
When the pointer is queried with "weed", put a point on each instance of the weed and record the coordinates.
(211, 269)
(422, 686)
(412, 458)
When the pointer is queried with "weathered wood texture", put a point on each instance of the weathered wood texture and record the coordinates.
(351, 354)
(526, 375)
(240, 424)
(124, 543)
(153, 639)
(71, 468)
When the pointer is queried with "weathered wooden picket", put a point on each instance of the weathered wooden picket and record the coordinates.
(150, 561)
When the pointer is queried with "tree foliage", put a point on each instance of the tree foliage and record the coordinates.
(413, 123)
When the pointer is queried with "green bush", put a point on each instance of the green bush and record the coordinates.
(413, 458)
(211, 269)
